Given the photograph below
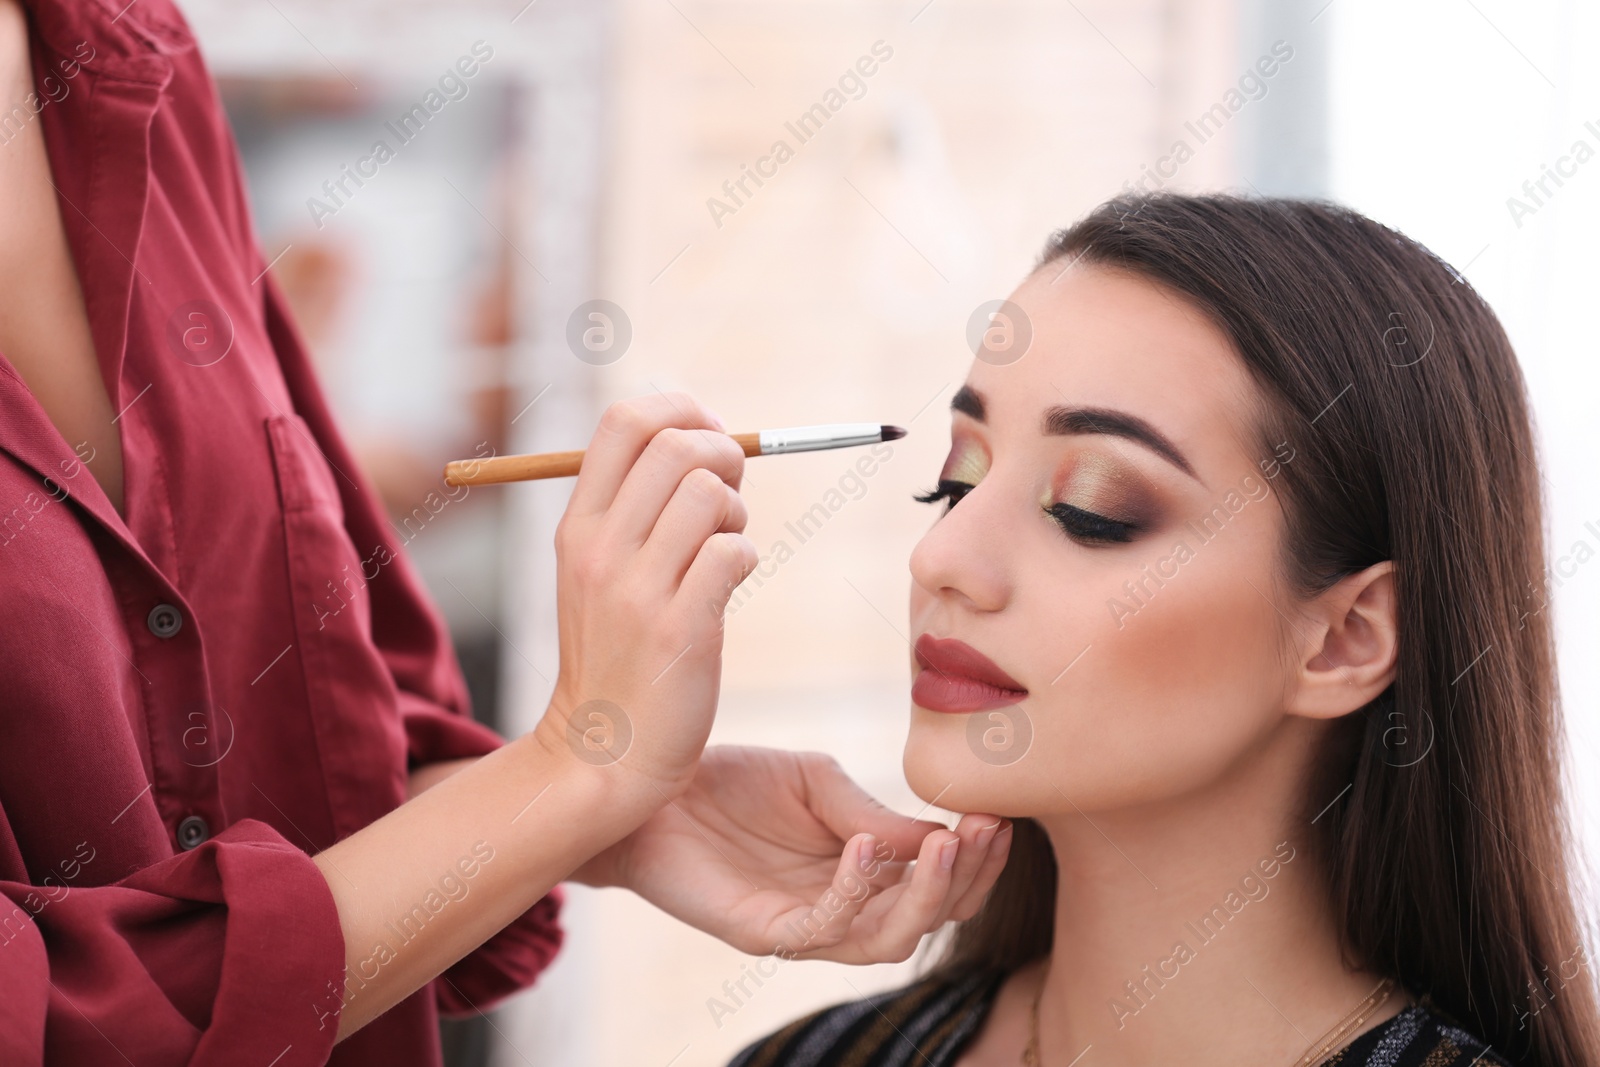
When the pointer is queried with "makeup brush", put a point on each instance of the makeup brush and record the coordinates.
(761, 443)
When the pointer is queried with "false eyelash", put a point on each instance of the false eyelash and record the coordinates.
(945, 490)
(1089, 526)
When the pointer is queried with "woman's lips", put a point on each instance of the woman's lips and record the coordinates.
(956, 677)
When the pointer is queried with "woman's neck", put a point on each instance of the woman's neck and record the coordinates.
(1194, 931)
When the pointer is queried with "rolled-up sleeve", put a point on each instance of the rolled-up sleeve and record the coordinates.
(228, 954)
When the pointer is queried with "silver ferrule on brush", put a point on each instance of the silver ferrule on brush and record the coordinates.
(810, 438)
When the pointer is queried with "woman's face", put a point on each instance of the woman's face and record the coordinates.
(1113, 549)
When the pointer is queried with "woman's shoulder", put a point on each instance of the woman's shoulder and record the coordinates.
(1420, 1036)
(926, 1022)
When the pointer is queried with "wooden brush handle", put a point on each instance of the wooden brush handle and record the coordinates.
(543, 465)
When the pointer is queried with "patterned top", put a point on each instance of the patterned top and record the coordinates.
(929, 1024)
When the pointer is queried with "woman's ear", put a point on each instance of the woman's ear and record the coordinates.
(1346, 657)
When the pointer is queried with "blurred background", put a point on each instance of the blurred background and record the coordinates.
(626, 151)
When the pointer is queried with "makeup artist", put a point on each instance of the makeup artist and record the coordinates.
(236, 830)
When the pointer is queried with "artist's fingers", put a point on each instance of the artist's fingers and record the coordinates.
(625, 429)
(660, 473)
(993, 864)
(969, 856)
(845, 808)
(721, 564)
(827, 922)
(989, 837)
(913, 906)
(703, 505)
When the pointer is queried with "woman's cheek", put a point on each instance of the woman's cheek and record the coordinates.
(1173, 690)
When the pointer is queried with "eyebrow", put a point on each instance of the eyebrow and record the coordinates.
(1066, 421)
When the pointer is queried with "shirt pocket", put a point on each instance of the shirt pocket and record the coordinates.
(351, 693)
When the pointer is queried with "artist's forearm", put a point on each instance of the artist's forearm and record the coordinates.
(435, 878)
(431, 774)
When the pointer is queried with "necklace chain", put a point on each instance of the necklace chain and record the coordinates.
(1319, 1050)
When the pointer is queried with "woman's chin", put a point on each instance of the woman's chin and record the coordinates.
(943, 771)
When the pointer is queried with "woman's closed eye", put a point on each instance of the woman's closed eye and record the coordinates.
(1081, 525)
(1089, 526)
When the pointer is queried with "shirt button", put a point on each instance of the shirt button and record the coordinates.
(192, 831)
(164, 620)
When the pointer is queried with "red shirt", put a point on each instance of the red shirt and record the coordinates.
(242, 672)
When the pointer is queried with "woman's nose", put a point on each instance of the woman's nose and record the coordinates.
(965, 555)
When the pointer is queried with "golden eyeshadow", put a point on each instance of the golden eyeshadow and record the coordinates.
(1101, 485)
(967, 464)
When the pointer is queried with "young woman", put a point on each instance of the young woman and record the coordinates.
(1234, 608)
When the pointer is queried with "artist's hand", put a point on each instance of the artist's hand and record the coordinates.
(764, 850)
(647, 553)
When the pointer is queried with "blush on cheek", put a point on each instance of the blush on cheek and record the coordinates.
(1195, 676)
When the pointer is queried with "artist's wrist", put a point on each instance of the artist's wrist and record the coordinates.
(605, 869)
(618, 800)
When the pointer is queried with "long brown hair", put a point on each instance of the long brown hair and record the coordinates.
(1449, 851)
